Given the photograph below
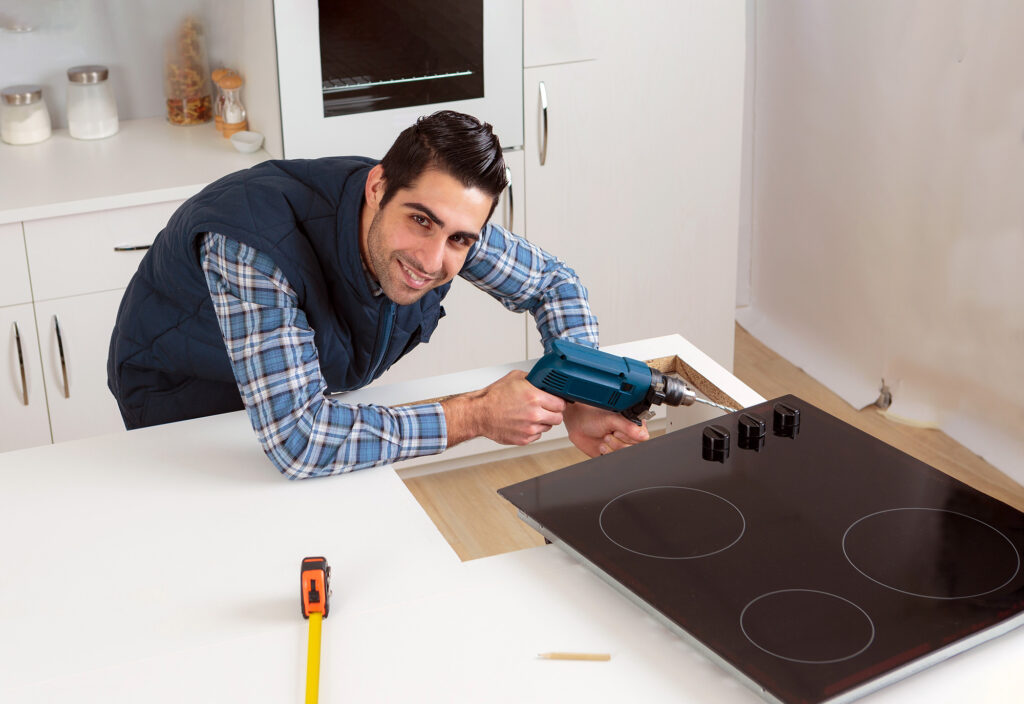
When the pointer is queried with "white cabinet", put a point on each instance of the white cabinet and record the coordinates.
(559, 31)
(57, 330)
(91, 252)
(640, 188)
(565, 177)
(14, 284)
(75, 336)
(22, 397)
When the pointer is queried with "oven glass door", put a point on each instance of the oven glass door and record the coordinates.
(399, 53)
(352, 74)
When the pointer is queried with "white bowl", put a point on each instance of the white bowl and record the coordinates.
(247, 141)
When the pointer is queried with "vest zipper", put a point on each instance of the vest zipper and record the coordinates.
(383, 340)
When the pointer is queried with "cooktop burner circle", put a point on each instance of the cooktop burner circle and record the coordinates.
(672, 522)
(932, 553)
(807, 626)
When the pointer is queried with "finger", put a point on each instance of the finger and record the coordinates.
(625, 439)
(550, 402)
(612, 443)
(634, 433)
(548, 418)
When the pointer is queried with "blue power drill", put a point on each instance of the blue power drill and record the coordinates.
(576, 372)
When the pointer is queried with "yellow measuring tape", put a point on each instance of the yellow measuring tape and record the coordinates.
(315, 583)
(313, 659)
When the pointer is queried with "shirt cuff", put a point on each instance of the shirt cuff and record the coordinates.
(422, 430)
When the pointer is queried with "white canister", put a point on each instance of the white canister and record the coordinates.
(24, 118)
(92, 110)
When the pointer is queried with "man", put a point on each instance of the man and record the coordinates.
(278, 285)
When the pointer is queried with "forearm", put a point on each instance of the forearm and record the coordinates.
(275, 363)
(523, 277)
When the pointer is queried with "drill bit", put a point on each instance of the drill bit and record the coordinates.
(716, 405)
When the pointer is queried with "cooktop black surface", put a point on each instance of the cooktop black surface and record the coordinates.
(814, 561)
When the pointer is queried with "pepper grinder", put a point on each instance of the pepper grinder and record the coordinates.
(234, 112)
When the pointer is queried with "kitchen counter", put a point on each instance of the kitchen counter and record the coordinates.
(147, 161)
(161, 565)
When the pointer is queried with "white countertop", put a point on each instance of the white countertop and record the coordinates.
(161, 565)
(147, 161)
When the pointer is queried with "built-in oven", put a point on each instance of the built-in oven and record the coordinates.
(353, 74)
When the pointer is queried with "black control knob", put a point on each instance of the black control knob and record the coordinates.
(715, 444)
(752, 430)
(785, 420)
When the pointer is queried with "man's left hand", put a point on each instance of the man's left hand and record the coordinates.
(596, 431)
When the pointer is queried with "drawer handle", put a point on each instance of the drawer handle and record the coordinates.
(63, 364)
(132, 247)
(511, 207)
(544, 121)
(21, 364)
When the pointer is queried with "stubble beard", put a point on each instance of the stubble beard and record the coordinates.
(381, 265)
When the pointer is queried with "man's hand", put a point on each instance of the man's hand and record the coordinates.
(511, 411)
(596, 431)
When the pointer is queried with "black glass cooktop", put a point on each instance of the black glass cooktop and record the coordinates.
(813, 561)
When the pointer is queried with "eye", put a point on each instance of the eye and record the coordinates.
(461, 240)
(420, 220)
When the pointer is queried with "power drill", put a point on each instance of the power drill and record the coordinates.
(576, 372)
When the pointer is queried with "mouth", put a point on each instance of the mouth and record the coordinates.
(413, 278)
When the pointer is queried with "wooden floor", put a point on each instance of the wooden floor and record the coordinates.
(477, 522)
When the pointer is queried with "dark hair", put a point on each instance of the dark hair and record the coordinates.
(457, 144)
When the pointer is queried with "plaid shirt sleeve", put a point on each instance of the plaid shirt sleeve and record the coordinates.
(526, 278)
(275, 363)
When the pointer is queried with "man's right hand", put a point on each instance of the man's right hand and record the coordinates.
(511, 411)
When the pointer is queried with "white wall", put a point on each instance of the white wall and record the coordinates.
(888, 207)
(127, 36)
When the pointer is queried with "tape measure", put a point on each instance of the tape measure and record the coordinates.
(315, 583)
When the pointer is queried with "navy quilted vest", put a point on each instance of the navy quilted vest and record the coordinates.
(167, 358)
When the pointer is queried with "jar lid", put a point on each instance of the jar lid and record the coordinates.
(87, 74)
(22, 95)
(231, 81)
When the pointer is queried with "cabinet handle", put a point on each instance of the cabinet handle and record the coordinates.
(544, 123)
(63, 364)
(132, 247)
(511, 206)
(21, 364)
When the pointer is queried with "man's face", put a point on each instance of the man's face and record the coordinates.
(420, 239)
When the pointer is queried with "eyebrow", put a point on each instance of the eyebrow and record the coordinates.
(438, 221)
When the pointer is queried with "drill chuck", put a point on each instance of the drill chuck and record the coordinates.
(676, 392)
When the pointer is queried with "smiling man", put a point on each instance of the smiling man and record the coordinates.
(278, 285)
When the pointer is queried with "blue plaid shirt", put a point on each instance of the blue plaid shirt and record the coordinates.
(306, 433)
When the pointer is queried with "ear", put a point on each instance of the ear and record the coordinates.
(375, 185)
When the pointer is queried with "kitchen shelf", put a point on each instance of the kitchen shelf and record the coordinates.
(147, 161)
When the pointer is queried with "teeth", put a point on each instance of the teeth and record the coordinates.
(415, 279)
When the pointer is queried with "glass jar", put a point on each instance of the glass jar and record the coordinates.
(234, 116)
(92, 110)
(187, 76)
(218, 97)
(24, 118)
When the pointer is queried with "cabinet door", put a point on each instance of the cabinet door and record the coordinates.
(476, 331)
(22, 398)
(567, 176)
(559, 31)
(75, 336)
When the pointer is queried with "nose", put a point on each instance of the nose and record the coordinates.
(433, 255)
